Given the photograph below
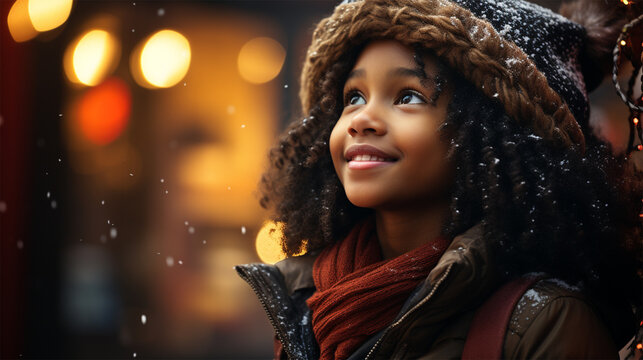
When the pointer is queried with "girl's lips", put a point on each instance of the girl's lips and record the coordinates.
(365, 152)
(364, 156)
(363, 165)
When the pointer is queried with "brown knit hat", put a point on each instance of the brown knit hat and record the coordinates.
(517, 53)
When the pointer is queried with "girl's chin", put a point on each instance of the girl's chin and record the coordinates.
(364, 201)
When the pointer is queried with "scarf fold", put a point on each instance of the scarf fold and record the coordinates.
(358, 293)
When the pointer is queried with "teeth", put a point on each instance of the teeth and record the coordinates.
(367, 158)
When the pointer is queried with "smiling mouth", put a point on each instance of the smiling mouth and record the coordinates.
(367, 153)
(369, 158)
(365, 156)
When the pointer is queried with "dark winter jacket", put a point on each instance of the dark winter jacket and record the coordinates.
(552, 319)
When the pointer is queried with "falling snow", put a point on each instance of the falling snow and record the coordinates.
(231, 109)
(131, 174)
(113, 233)
(162, 180)
(533, 295)
(160, 12)
(3, 206)
(134, 355)
(54, 204)
(48, 194)
(143, 319)
(102, 202)
(243, 126)
(20, 244)
(243, 230)
(191, 230)
(180, 262)
(551, 41)
(169, 261)
(286, 86)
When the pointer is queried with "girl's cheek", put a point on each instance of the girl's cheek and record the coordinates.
(336, 145)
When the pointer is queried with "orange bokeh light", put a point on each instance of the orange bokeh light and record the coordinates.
(103, 111)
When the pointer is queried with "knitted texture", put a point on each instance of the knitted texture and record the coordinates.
(358, 293)
(491, 54)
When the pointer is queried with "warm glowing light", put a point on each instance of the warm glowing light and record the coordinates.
(626, 2)
(104, 110)
(19, 24)
(165, 58)
(92, 58)
(623, 43)
(268, 243)
(49, 14)
(639, 346)
(640, 147)
(260, 60)
(635, 121)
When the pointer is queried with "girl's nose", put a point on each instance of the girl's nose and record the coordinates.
(366, 121)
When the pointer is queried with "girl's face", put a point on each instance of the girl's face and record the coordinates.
(385, 146)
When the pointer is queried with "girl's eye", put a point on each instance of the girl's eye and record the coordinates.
(410, 97)
(354, 98)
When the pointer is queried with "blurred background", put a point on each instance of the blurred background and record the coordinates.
(132, 137)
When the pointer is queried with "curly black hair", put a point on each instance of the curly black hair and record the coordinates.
(574, 216)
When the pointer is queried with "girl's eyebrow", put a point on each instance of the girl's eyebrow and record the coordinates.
(397, 72)
(356, 73)
(405, 72)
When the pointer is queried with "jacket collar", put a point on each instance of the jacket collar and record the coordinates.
(475, 270)
(297, 272)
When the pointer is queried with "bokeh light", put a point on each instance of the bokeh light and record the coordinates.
(165, 58)
(103, 111)
(49, 14)
(19, 23)
(260, 60)
(89, 60)
(268, 242)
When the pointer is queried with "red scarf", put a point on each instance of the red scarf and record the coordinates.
(358, 293)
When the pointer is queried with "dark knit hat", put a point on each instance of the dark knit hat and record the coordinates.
(524, 56)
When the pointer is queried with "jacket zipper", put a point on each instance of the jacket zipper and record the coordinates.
(406, 315)
(280, 336)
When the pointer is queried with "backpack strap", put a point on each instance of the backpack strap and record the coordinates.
(486, 335)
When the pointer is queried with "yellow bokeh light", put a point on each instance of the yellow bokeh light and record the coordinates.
(19, 24)
(260, 60)
(268, 243)
(49, 14)
(89, 60)
(165, 58)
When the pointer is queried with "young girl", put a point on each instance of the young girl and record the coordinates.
(446, 152)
